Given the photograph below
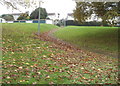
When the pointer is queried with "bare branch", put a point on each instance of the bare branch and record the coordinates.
(15, 3)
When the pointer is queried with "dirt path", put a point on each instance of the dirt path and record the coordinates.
(48, 36)
(71, 50)
(75, 60)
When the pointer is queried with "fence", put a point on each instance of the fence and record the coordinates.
(31, 21)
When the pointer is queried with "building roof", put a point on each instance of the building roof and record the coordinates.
(70, 14)
(14, 14)
(49, 14)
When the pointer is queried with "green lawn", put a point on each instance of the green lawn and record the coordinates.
(27, 60)
(29, 28)
(24, 56)
(97, 39)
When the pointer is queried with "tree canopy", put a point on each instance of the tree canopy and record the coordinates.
(7, 17)
(23, 16)
(35, 14)
(82, 11)
(107, 11)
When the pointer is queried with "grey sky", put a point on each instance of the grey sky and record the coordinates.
(52, 6)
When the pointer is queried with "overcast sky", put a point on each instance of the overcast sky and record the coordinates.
(52, 6)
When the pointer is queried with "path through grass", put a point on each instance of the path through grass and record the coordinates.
(27, 60)
(97, 39)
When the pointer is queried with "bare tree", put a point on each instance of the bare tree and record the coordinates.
(16, 4)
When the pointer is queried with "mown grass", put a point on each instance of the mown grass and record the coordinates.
(98, 39)
(27, 60)
(23, 55)
(29, 28)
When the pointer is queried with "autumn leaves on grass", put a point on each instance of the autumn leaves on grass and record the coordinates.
(32, 61)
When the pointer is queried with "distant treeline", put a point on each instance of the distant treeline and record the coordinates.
(75, 23)
(92, 23)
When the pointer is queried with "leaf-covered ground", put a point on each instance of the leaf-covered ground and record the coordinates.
(29, 60)
(103, 40)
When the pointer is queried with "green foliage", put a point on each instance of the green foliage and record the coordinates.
(111, 18)
(7, 17)
(81, 13)
(35, 14)
(99, 8)
(118, 7)
(23, 16)
(107, 11)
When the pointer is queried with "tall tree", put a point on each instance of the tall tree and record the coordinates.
(83, 11)
(35, 13)
(111, 17)
(99, 9)
(107, 11)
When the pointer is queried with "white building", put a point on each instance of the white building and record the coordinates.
(70, 16)
(52, 16)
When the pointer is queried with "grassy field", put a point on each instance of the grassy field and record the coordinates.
(27, 60)
(97, 39)
(23, 56)
(29, 28)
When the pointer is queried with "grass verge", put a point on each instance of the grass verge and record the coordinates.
(102, 40)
